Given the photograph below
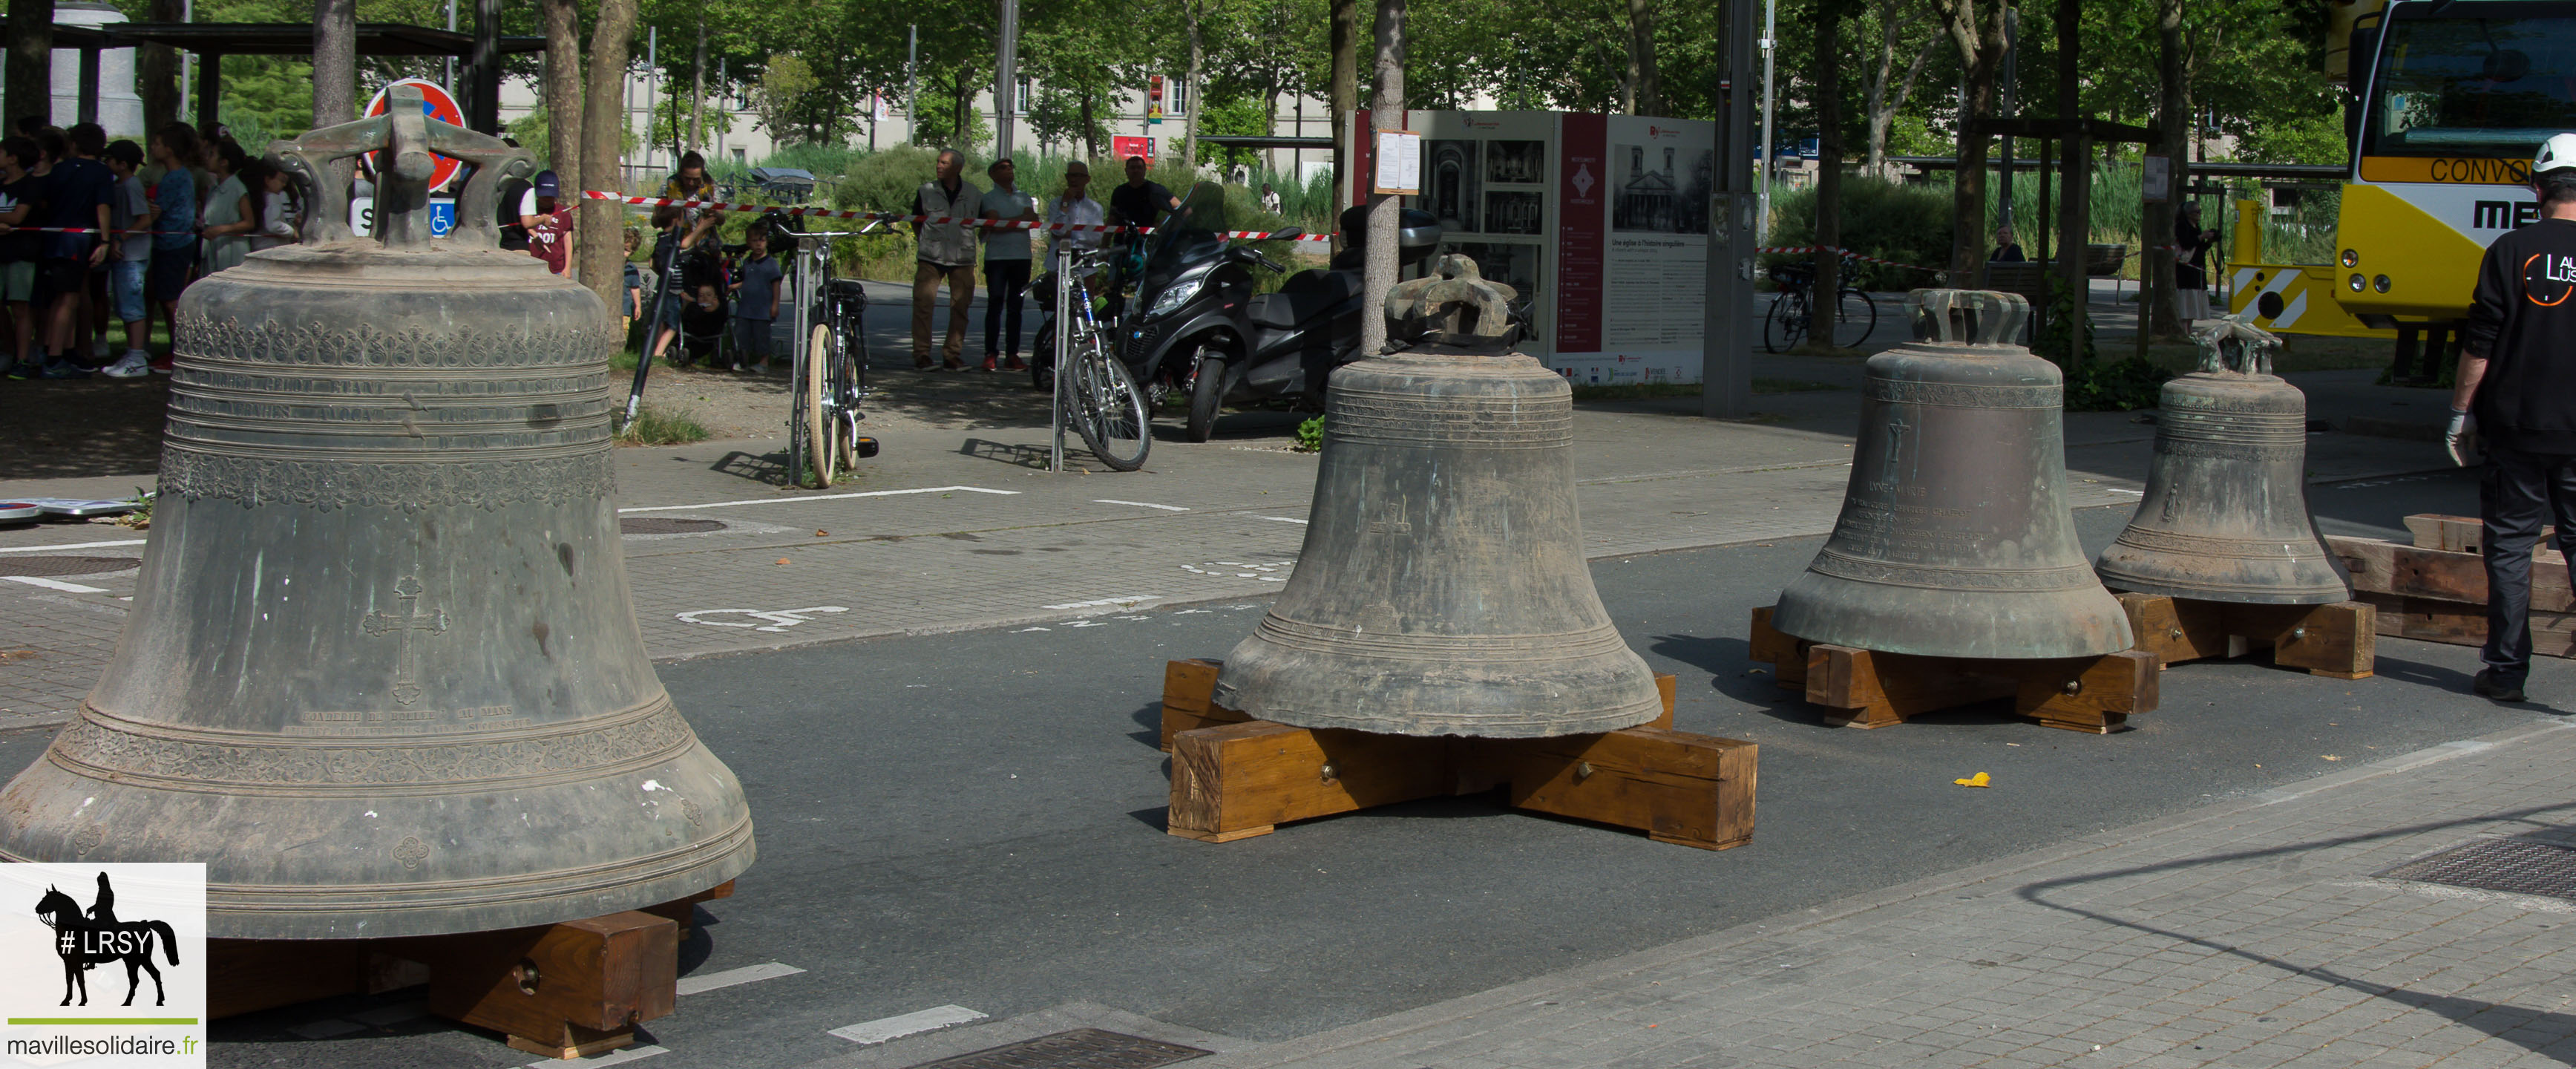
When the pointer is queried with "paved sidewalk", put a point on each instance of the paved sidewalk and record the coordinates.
(2250, 933)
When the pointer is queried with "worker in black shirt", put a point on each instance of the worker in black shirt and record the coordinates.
(1140, 203)
(1137, 202)
(2517, 392)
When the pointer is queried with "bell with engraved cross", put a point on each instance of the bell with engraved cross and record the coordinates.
(2225, 515)
(382, 673)
(1442, 589)
(1955, 539)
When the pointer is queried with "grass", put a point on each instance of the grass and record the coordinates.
(654, 426)
(1632, 391)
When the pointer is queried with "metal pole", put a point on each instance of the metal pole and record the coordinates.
(912, 87)
(1064, 290)
(1726, 345)
(450, 83)
(1770, 13)
(2011, 71)
(188, 59)
(1006, 78)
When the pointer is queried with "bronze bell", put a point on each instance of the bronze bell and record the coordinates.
(1955, 539)
(1442, 589)
(2225, 515)
(383, 675)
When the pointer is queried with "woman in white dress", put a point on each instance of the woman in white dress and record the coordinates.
(280, 211)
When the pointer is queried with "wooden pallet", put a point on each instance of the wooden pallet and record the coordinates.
(1234, 777)
(1871, 689)
(2339, 640)
(2436, 589)
(566, 990)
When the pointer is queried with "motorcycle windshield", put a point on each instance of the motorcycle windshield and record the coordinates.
(1193, 232)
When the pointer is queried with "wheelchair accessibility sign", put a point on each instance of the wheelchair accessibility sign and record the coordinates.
(102, 965)
(442, 216)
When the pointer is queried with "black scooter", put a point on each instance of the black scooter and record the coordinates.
(1286, 344)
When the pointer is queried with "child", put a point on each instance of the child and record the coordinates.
(550, 226)
(756, 295)
(702, 322)
(174, 216)
(21, 193)
(132, 213)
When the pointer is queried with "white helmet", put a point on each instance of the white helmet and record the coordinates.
(2556, 154)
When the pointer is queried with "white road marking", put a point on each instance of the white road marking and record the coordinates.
(1121, 602)
(767, 501)
(767, 970)
(72, 545)
(2117, 490)
(611, 1058)
(1138, 504)
(883, 1029)
(1282, 519)
(54, 584)
(779, 620)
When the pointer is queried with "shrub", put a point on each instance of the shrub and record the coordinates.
(1905, 223)
(1310, 435)
(654, 426)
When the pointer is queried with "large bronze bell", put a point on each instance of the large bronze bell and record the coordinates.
(2225, 516)
(1955, 539)
(382, 674)
(1442, 589)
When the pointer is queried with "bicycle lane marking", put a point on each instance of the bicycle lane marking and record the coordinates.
(818, 497)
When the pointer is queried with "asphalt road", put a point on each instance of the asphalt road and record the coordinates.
(976, 819)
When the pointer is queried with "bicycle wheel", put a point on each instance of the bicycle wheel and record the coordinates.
(1114, 422)
(1786, 324)
(821, 436)
(1855, 316)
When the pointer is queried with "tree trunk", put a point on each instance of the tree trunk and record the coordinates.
(31, 62)
(1645, 86)
(157, 72)
(603, 126)
(1090, 139)
(1198, 54)
(2075, 175)
(1979, 48)
(562, 19)
(1829, 172)
(1386, 112)
(335, 62)
(1345, 99)
(698, 87)
(1882, 110)
(2173, 115)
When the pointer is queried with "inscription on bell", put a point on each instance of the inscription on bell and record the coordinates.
(405, 721)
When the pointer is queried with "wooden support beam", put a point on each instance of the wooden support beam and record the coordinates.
(565, 990)
(1872, 689)
(2336, 640)
(1189, 699)
(1238, 780)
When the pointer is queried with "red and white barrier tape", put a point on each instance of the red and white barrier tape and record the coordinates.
(1850, 255)
(892, 217)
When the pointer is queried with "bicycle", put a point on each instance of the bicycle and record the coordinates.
(828, 369)
(1093, 390)
(1792, 315)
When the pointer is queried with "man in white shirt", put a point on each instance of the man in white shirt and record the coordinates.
(1075, 207)
(1006, 265)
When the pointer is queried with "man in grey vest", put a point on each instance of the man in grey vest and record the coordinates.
(947, 255)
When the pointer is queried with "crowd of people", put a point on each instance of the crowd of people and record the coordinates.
(95, 233)
(945, 252)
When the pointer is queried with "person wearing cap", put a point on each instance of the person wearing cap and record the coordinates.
(2516, 394)
(549, 226)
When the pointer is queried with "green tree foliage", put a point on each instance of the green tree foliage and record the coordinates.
(1239, 115)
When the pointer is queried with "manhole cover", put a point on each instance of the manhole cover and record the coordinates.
(15, 565)
(667, 525)
(2516, 866)
(1082, 1048)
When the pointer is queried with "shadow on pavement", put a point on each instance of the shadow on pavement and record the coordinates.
(1033, 457)
(765, 468)
(78, 428)
(2532, 1029)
